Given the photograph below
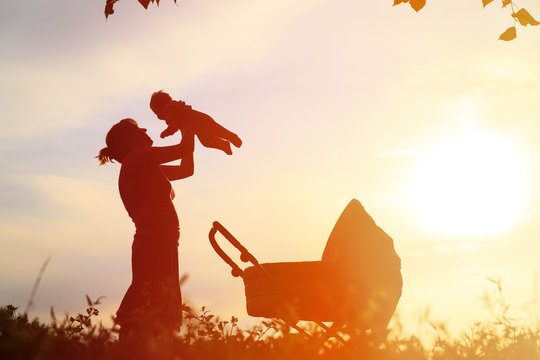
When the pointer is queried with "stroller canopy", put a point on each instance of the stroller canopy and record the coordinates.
(357, 242)
(371, 262)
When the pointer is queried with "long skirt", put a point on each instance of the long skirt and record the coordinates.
(153, 299)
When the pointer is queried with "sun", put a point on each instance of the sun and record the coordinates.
(470, 185)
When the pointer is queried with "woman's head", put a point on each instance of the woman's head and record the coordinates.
(122, 138)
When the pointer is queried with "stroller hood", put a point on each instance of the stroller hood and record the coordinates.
(359, 244)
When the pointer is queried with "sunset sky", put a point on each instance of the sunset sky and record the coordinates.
(426, 118)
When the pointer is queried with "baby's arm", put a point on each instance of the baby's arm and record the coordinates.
(177, 115)
(168, 131)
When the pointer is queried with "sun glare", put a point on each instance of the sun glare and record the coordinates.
(472, 185)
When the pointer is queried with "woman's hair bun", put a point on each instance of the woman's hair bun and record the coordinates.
(104, 156)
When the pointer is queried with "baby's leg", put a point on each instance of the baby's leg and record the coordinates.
(221, 132)
(216, 143)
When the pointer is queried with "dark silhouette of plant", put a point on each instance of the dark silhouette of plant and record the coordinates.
(206, 336)
(72, 338)
(520, 16)
(36, 285)
(110, 4)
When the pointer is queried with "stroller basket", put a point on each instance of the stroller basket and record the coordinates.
(308, 290)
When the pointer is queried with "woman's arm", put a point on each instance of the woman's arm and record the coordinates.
(186, 149)
(165, 154)
(182, 171)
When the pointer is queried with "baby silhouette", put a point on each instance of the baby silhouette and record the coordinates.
(177, 113)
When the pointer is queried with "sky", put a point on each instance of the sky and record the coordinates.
(426, 118)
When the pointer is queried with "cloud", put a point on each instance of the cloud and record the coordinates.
(60, 213)
(64, 88)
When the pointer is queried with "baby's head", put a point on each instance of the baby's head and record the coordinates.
(159, 102)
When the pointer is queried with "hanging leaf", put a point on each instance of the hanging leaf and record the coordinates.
(505, 3)
(396, 2)
(525, 18)
(509, 34)
(145, 3)
(109, 8)
(417, 4)
(485, 2)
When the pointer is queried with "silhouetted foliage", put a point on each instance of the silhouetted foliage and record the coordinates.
(206, 336)
(415, 4)
(110, 3)
(522, 16)
(72, 338)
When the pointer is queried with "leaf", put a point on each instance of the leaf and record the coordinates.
(88, 300)
(417, 4)
(145, 3)
(525, 18)
(505, 3)
(109, 8)
(509, 34)
(485, 2)
(396, 2)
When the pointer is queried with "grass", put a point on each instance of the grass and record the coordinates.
(206, 336)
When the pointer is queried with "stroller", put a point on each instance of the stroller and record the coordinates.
(356, 285)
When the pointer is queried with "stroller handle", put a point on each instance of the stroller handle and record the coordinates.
(245, 256)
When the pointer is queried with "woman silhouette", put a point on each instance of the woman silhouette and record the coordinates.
(152, 305)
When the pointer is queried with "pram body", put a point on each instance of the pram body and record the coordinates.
(308, 290)
(335, 289)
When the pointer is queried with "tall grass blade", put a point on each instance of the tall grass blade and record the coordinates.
(36, 284)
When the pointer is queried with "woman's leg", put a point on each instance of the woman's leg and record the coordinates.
(153, 302)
